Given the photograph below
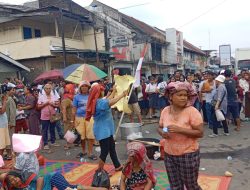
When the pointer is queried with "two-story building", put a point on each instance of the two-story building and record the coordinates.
(51, 34)
(127, 37)
(194, 58)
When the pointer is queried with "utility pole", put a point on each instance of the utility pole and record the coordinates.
(96, 48)
(63, 40)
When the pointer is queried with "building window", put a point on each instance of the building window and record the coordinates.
(192, 56)
(37, 33)
(156, 52)
(27, 33)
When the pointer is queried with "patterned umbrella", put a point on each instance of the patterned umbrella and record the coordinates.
(78, 72)
(53, 75)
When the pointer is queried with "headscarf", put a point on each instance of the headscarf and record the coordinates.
(94, 94)
(139, 152)
(174, 87)
(69, 91)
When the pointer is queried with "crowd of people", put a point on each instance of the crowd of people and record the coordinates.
(210, 91)
(184, 104)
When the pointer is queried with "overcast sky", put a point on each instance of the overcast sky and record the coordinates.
(204, 23)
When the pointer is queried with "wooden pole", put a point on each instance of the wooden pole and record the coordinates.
(120, 122)
(130, 92)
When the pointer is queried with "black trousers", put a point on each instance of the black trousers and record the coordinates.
(108, 147)
(204, 111)
(216, 124)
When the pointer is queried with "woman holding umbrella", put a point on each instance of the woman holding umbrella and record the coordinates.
(100, 108)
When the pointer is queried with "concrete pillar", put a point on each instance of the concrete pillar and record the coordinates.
(56, 27)
(47, 63)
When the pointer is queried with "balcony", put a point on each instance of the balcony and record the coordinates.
(38, 47)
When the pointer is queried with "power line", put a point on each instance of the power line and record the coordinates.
(132, 6)
(206, 12)
(137, 5)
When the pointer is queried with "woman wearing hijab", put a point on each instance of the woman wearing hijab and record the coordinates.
(84, 128)
(66, 108)
(138, 171)
(104, 128)
(181, 126)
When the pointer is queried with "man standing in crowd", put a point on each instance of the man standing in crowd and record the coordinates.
(134, 106)
(243, 83)
(11, 112)
(203, 98)
(232, 104)
(209, 89)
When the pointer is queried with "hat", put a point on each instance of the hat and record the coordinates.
(220, 78)
(11, 85)
(84, 83)
(222, 72)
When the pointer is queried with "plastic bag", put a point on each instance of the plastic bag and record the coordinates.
(219, 115)
(70, 136)
(101, 179)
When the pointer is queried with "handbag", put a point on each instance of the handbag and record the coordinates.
(55, 117)
(101, 179)
(214, 102)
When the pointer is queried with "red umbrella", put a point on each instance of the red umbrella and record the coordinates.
(53, 75)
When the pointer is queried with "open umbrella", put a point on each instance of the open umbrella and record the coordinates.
(53, 75)
(78, 72)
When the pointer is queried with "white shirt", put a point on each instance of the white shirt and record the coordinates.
(162, 88)
(151, 88)
(244, 85)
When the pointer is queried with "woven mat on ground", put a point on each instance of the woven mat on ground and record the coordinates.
(82, 173)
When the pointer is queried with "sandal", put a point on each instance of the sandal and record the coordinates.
(81, 155)
(92, 157)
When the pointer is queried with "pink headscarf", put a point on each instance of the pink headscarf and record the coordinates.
(139, 152)
(174, 87)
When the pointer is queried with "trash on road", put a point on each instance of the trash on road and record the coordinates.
(202, 169)
(83, 160)
(98, 149)
(157, 155)
(147, 132)
(229, 158)
(68, 153)
(228, 174)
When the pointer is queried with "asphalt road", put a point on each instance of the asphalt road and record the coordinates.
(214, 153)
